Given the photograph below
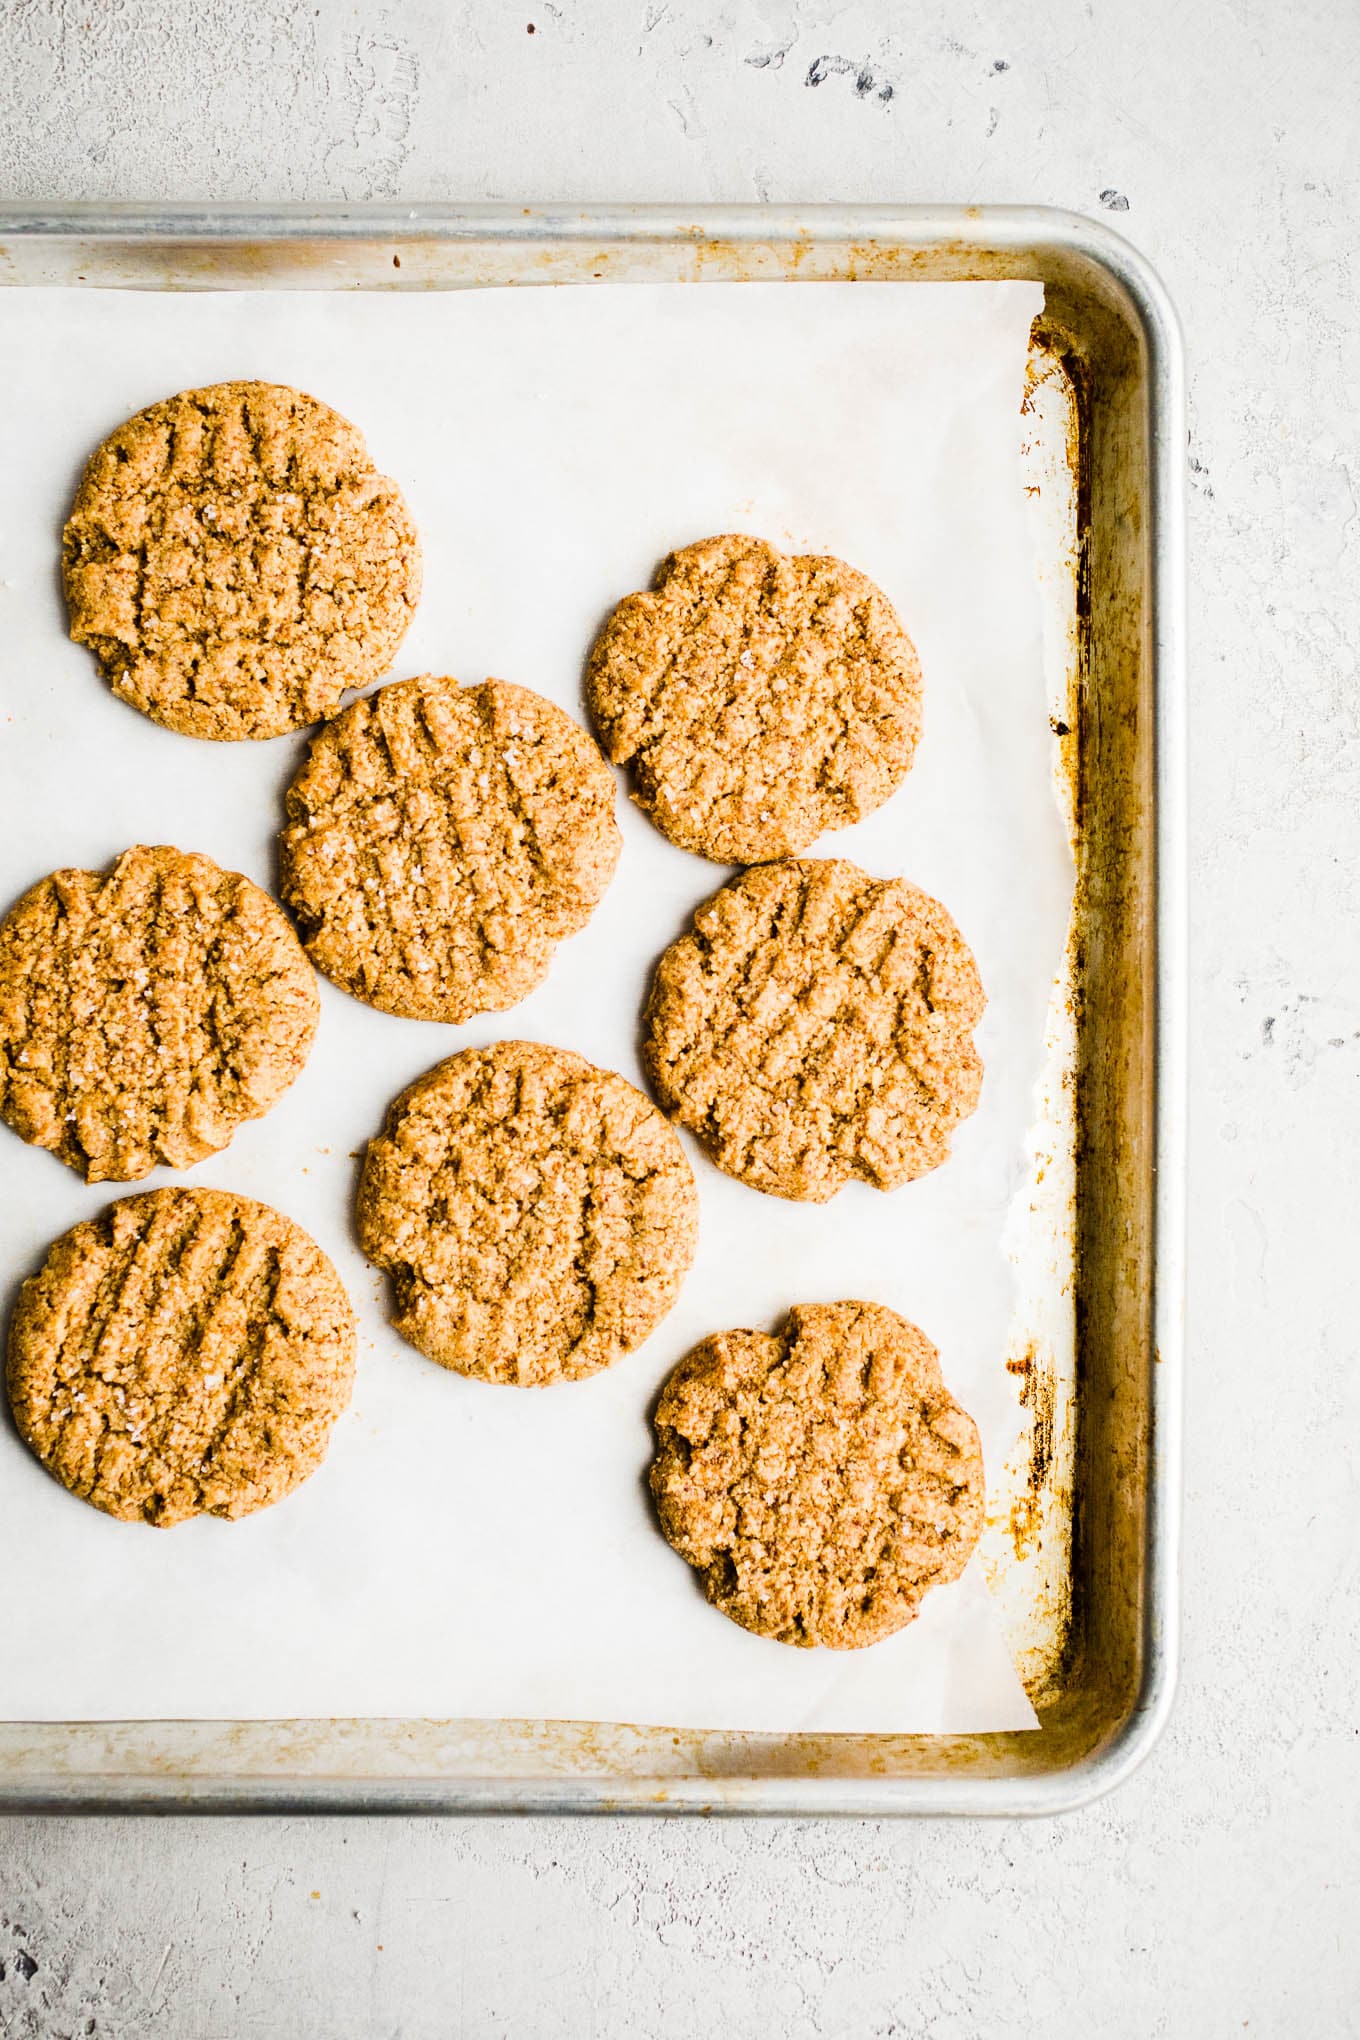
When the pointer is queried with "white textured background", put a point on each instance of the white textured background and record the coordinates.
(1216, 1893)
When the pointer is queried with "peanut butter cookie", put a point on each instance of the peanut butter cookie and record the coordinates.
(821, 1481)
(536, 1214)
(816, 1026)
(146, 1011)
(185, 1353)
(758, 699)
(235, 561)
(442, 840)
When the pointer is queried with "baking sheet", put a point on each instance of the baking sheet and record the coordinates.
(477, 1551)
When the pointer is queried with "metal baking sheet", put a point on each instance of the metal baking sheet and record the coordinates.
(1081, 1544)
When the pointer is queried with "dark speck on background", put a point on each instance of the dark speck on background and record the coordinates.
(1000, 64)
(866, 83)
(1114, 201)
(822, 68)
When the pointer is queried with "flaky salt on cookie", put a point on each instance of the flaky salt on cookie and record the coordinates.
(821, 1480)
(236, 562)
(442, 840)
(147, 1011)
(536, 1214)
(186, 1353)
(816, 1027)
(757, 699)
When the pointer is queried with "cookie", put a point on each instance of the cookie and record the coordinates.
(442, 840)
(146, 1011)
(820, 1481)
(816, 1026)
(235, 561)
(536, 1214)
(185, 1353)
(758, 699)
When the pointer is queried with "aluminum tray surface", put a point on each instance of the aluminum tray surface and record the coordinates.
(1081, 1546)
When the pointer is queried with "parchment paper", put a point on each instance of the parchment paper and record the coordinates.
(469, 1550)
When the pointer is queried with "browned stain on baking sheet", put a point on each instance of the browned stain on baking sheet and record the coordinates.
(1038, 1395)
(1029, 1545)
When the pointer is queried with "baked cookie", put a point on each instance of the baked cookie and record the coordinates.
(758, 699)
(820, 1481)
(816, 1025)
(536, 1214)
(146, 1011)
(183, 1354)
(235, 561)
(442, 840)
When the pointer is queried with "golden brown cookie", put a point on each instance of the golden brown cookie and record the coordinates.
(821, 1481)
(146, 1011)
(816, 1026)
(536, 1214)
(185, 1353)
(758, 699)
(235, 561)
(442, 840)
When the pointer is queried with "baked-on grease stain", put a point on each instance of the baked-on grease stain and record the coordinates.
(1038, 1398)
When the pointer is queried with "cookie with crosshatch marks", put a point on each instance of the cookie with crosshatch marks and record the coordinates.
(186, 1353)
(758, 699)
(442, 840)
(822, 1480)
(147, 1011)
(536, 1214)
(816, 1026)
(235, 561)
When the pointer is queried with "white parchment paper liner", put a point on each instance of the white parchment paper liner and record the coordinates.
(470, 1550)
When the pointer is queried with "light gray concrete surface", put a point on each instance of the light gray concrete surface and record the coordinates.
(1217, 1893)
